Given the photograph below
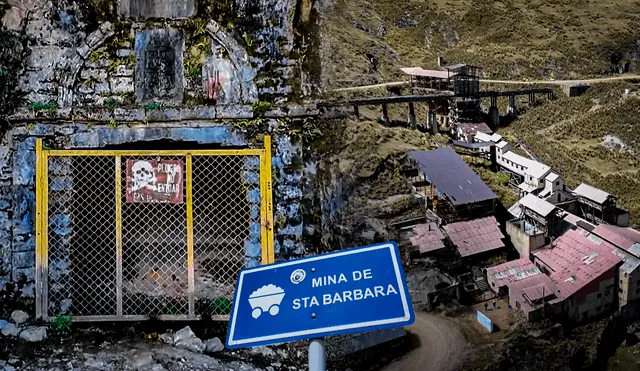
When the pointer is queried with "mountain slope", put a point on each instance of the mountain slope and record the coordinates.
(366, 41)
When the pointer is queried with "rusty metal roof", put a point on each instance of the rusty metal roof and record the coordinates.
(576, 260)
(624, 238)
(524, 280)
(473, 128)
(475, 236)
(427, 237)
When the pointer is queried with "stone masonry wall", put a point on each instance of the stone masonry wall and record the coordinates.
(99, 74)
(17, 215)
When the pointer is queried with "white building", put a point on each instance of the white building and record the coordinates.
(481, 137)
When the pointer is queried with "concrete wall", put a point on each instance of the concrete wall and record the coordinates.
(522, 241)
(598, 297)
(629, 287)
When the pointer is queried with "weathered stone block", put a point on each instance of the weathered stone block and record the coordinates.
(23, 211)
(44, 57)
(159, 68)
(121, 85)
(145, 9)
(101, 88)
(86, 89)
(124, 71)
(123, 53)
(28, 273)
(25, 259)
(93, 73)
(252, 249)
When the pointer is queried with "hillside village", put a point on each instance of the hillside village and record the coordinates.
(152, 151)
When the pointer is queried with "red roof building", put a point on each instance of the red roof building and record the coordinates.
(475, 236)
(527, 287)
(584, 272)
(624, 238)
(427, 238)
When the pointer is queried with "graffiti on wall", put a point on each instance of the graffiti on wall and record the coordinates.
(155, 181)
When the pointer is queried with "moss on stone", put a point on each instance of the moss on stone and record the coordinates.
(194, 99)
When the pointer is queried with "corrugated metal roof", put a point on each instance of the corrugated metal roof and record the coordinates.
(456, 66)
(512, 271)
(537, 205)
(485, 137)
(452, 176)
(418, 71)
(552, 177)
(527, 187)
(523, 279)
(475, 236)
(592, 193)
(578, 222)
(474, 145)
(427, 237)
(473, 128)
(631, 261)
(515, 210)
(576, 260)
(502, 144)
(534, 168)
(622, 237)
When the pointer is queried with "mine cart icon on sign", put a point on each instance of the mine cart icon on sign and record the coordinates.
(266, 299)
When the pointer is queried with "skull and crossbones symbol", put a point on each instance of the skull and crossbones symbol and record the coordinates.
(143, 176)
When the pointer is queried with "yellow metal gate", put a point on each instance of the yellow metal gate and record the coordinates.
(109, 249)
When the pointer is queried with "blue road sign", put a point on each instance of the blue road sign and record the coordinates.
(350, 290)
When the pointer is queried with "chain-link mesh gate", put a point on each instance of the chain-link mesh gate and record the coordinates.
(105, 252)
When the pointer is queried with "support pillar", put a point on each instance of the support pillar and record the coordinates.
(532, 99)
(412, 116)
(494, 114)
(432, 124)
(356, 111)
(385, 114)
(512, 109)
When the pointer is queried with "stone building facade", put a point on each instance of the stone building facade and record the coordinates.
(187, 74)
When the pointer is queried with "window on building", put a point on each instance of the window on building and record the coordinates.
(620, 290)
(599, 308)
(621, 282)
(607, 292)
(599, 295)
(559, 197)
(558, 183)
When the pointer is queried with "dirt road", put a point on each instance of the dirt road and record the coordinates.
(516, 82)
(438, 346)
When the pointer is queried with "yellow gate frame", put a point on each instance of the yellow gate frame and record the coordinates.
(42, 218)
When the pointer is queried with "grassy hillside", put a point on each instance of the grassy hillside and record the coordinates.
(511, 38)
(569, 135)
